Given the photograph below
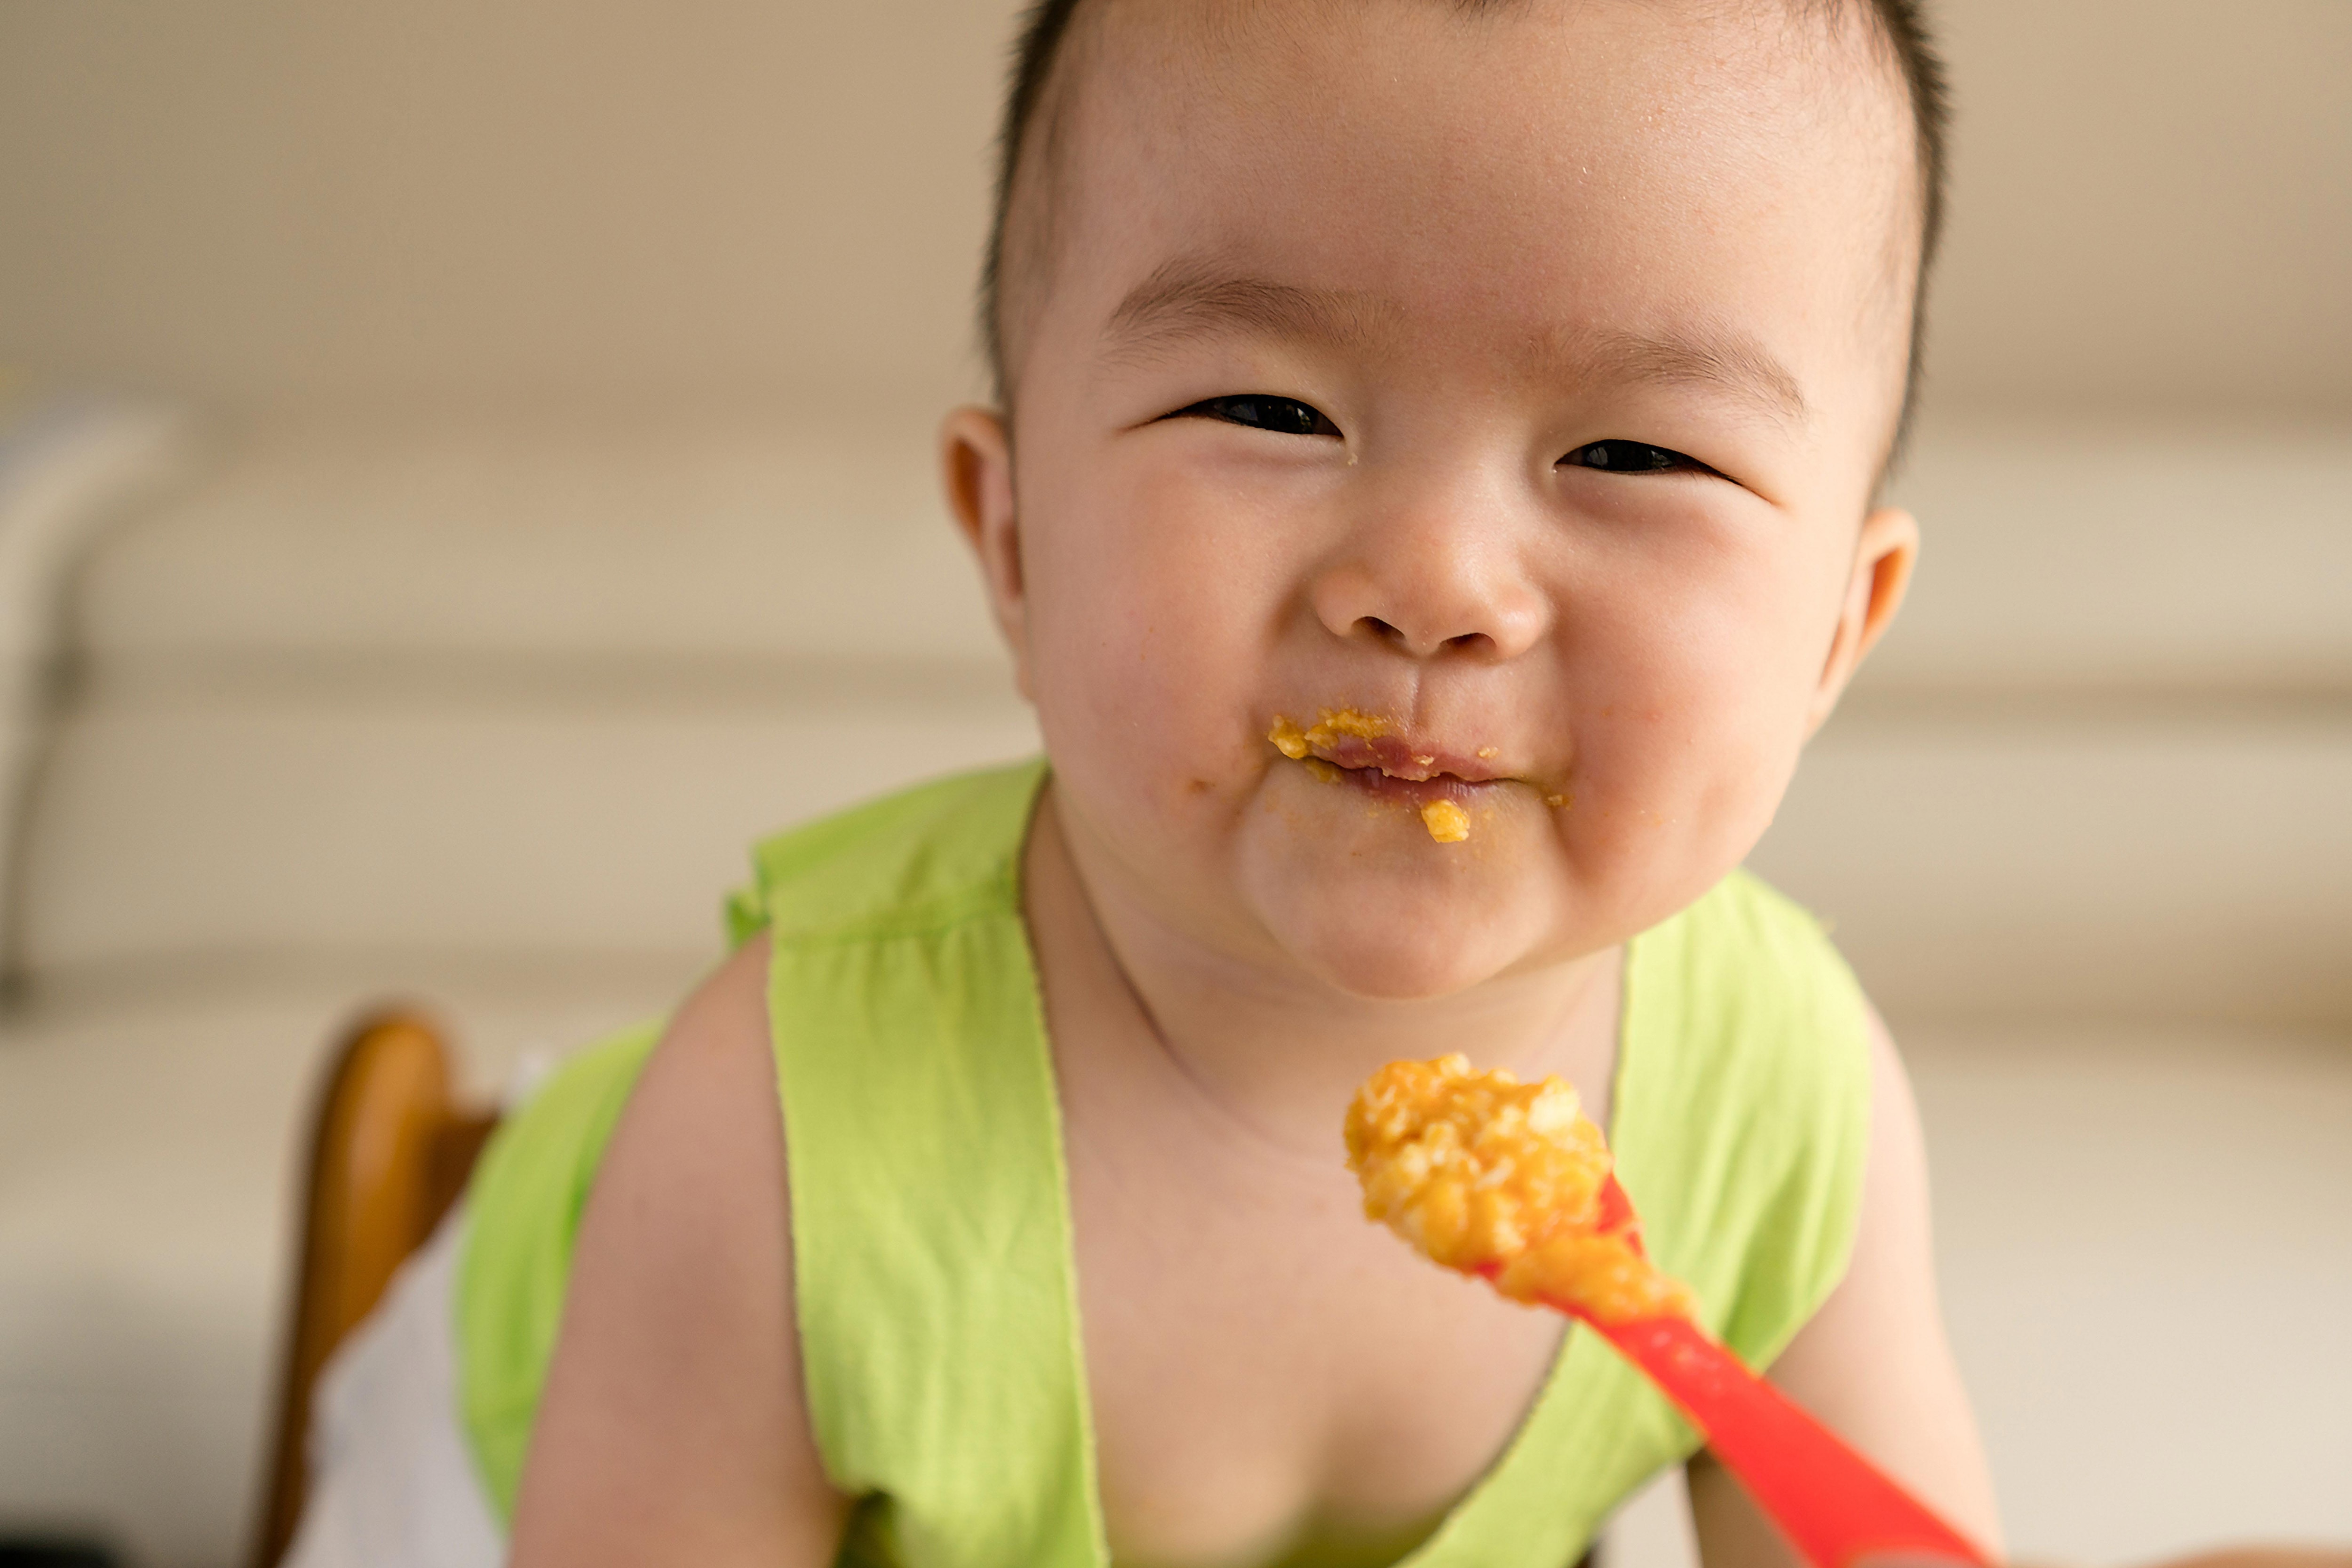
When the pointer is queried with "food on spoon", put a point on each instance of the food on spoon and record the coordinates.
(1446, 821)
(1490, 1176)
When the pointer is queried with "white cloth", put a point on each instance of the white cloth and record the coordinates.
(393, 1482)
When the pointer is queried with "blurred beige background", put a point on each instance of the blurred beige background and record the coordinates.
(252, 204)
(460, 464)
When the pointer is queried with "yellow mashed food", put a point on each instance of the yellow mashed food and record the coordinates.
(1336, 723)
(1446, 821)
(1493, 1177)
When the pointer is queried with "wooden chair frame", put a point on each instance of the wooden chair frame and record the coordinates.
(391, 1150)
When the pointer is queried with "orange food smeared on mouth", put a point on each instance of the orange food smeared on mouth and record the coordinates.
(1336, 723)
(1446, 821)
(1493, 1177)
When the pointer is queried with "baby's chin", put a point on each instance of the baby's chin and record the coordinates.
(1367, 900)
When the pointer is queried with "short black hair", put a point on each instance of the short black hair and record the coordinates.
(1901, 24)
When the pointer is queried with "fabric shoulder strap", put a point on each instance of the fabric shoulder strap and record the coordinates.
(931, 1219)
(1746, 1120)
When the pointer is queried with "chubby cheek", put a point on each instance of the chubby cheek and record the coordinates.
(1148, 622)
(1694, 687)
(1664, 805)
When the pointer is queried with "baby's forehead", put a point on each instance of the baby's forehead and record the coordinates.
(1828, 60)
(1178, 125)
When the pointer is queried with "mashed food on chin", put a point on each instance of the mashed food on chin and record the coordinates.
(1446, 821)
(1490, 1176)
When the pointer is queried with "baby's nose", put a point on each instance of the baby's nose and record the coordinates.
(1425, 586)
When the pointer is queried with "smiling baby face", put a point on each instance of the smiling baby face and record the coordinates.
(1516, 383)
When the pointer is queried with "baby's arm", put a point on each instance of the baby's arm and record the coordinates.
(1873, 1363)
(673, 1427)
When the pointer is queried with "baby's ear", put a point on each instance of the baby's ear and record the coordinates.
(976, 463)
(1882, 558)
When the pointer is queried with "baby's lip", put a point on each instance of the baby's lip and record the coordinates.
(1404, 757)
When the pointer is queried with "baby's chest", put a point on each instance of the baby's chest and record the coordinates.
(1266, 1367)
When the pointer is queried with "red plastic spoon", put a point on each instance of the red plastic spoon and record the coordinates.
(1833, 1503)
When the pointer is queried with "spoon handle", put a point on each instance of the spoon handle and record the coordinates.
(1833, 1503)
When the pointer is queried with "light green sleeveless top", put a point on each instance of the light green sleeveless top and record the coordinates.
(938, 1299)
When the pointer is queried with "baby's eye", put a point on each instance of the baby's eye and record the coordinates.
(1283, 415)
(1633, 458)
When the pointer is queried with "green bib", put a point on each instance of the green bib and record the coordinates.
(938, 1299)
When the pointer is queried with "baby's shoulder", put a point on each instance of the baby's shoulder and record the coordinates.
(693, 1069)
(634, 1184)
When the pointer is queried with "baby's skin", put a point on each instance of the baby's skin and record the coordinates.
(1523, 378)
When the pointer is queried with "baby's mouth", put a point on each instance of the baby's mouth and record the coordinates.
(1364, 750)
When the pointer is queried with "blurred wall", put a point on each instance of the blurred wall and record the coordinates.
(255, 201)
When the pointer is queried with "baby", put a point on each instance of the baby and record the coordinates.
(1430, 505)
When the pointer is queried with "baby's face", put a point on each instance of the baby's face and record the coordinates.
(1519, 380)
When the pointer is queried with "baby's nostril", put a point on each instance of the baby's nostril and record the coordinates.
(1381, 630)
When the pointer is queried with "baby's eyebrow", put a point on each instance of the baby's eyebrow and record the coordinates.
(1724, 359)
(1186, 298)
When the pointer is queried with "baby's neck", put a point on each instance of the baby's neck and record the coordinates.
(1272, 1048)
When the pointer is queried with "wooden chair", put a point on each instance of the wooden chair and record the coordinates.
(391, 1149)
